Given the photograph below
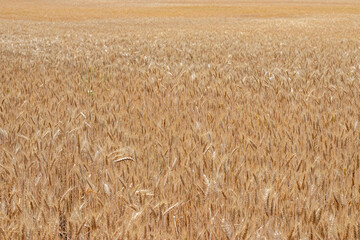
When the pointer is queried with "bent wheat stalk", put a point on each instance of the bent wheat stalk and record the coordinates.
(124, 159)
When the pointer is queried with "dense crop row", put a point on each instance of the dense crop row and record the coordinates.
(230, 129)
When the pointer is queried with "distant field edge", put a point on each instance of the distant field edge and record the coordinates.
(66, 12)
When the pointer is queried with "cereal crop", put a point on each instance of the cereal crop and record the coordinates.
(175, 123)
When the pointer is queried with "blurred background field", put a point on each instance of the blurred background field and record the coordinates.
(83, 10)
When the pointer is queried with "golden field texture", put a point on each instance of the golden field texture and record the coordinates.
(80, 10)
(180, 128)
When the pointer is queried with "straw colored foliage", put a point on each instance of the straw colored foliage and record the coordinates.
(149, 127)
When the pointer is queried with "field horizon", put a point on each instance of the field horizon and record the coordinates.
(62, 10)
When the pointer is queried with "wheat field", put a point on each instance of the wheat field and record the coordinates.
(176, 120)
